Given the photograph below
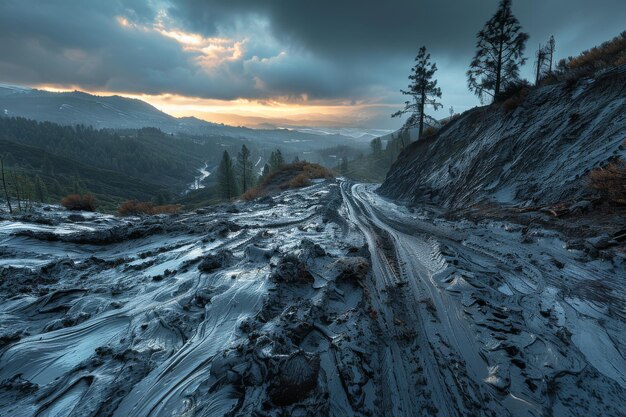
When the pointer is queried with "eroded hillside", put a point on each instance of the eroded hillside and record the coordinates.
(538, 153)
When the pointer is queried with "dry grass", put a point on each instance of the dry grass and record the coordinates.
(77, 202)
(302, 180)
(288, 172)
(610, 182)
(252, 194)
(514, 102)
(609, 54)
(140, 208)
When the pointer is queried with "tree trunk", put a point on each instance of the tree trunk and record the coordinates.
(4, 185)
(422, 105)
(496, 91)
(539, 63)
(17, 192)
(421, 109)
(245, 168)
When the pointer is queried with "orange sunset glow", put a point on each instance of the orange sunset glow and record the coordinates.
(247, 112)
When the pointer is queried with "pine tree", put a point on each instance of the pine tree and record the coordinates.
(46, 166)
(550, 47)
(245, 169)
(41, 191)
(16, 187)
(377, 147)
(424, 92)
(499, 53)
(276, 160)
(227, 183)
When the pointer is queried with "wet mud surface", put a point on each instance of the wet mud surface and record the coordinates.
(329, 300)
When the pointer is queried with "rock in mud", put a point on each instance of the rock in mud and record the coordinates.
(291, 269)
(296, 378)
(223, 228)
(211, 262)
(76, 218)
(312, 248)
(351, 268)
(8, 337)
(19, 384)
(600, 242)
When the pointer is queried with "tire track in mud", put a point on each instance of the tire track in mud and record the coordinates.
(494, 338)
(423, 379)
(444, 319)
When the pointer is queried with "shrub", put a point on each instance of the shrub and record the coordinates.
(252, 194)
(610, 182)
(514, 89)
(609, 54)
(301, 180)
(429, 131)
(295, 175)
(77, 202)
(514, 95)
(309, 169)
(140, 208)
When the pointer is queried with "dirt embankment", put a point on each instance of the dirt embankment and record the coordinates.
(538, 154)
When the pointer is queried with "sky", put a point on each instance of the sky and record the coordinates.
(335, 63)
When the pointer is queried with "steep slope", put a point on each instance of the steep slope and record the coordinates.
(536, 153)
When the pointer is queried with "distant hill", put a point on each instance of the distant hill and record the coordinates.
(76, 107)
(116, 112)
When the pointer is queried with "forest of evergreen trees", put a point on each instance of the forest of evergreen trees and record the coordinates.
(43, 162)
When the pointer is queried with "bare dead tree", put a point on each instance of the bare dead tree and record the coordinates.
(16, 186)
(544, 60)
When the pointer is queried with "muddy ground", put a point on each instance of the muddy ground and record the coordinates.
(328, 300)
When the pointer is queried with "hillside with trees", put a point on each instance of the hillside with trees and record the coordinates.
(49, 161)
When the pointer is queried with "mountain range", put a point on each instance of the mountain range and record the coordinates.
(117, 112)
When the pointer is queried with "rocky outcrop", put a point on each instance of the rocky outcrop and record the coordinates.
(536, 153)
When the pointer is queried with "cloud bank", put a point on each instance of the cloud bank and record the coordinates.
(324, 52)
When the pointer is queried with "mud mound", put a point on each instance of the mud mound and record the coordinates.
(291, 269)
(297, 377)
(214, 261)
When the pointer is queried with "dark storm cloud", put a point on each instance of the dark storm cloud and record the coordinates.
(81, 43)
(324, 49)
(360, 29)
